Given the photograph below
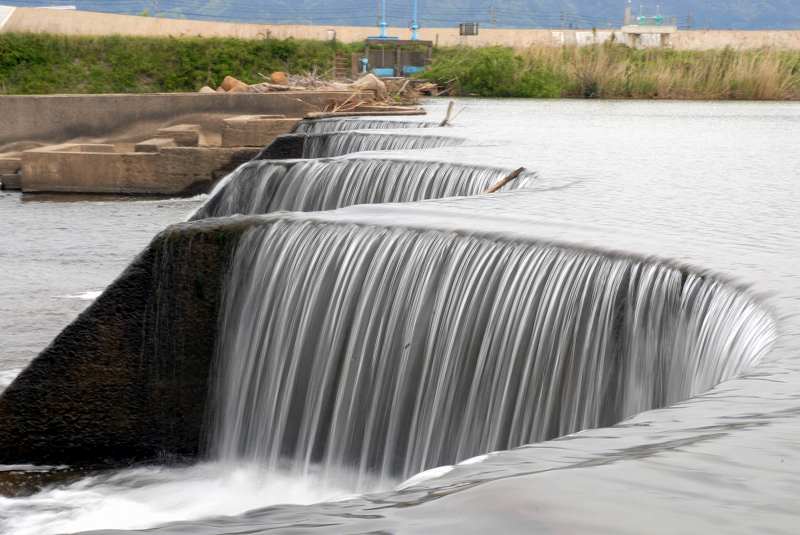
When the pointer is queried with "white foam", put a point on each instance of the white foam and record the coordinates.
(474, 460)
(145, 497)
(89, 295)
(433, 473)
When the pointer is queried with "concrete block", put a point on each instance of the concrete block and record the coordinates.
(254, 130)
(170, 171)
(9, 166)
(154, 144)
(95, 147)
(185, 135)
(11, 181)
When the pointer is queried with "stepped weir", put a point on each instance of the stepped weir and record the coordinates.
(324, 126)
(391, 351)
(264, 186)
(384, 340)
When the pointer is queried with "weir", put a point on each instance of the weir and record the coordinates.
(340, 143)
(331, 144)
(264, 186)
(390, 351)
(324, 126)
(384, 340)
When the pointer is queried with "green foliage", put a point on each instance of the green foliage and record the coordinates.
(40, 64)
(616, 71)
(492, 72)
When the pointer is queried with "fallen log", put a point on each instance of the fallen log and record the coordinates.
(505, 180)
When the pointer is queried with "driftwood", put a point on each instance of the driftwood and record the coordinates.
(446, 120)
(505, 180)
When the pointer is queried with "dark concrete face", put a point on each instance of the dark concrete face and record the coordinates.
(285, 147)
(128, 379)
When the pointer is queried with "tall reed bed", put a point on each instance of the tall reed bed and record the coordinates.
(616, 71)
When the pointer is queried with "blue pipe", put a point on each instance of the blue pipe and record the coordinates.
(383, 24)
(414, 22)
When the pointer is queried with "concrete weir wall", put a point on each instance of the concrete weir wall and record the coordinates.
(88, 23)
(128, 379)
(59, 118)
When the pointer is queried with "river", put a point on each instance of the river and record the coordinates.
(709, 185)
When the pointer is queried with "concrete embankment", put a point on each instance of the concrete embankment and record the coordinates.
(165, 159)
(128, 378)
(60, 118)
(88, 23)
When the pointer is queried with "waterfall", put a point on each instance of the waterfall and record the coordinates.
(338, 124)
(340, 143)
(389, 351)
(264, 186)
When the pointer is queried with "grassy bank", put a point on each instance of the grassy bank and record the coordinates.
(39, 64)
(615, 71)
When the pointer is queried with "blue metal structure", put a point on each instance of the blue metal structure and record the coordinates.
(414, 21)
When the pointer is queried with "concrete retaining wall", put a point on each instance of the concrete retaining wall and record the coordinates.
(128, 379)
(59, 118)
(87, 23)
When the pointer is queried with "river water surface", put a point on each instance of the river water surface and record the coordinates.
(710, 185)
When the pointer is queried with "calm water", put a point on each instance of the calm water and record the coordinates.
(713, 185)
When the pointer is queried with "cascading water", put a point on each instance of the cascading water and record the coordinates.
(264, 186)
(324, 126)
(341, 143)
(390, 351)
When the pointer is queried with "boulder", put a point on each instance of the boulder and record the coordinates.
(232, 84)
(279, 78)
(206, 89)
(370, 82)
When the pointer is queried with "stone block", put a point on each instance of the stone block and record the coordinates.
(254, 130)
(230, 83)
(185, 135)
(12, 181)
(154, 144)
(279, 78)
(9, 166)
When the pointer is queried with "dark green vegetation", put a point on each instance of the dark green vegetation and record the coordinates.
(39, 64)
(616, 71)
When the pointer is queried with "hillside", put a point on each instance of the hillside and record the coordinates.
(720, 14)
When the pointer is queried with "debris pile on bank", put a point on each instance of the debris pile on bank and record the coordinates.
(370, 94)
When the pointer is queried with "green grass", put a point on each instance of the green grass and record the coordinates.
(41, 64)
(616, 71)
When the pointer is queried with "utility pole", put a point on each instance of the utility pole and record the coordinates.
(493, 16)
(382, 18)
(414, 21)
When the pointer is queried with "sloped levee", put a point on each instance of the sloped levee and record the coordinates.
(324, 126)
(265, 186)
(389, 351)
